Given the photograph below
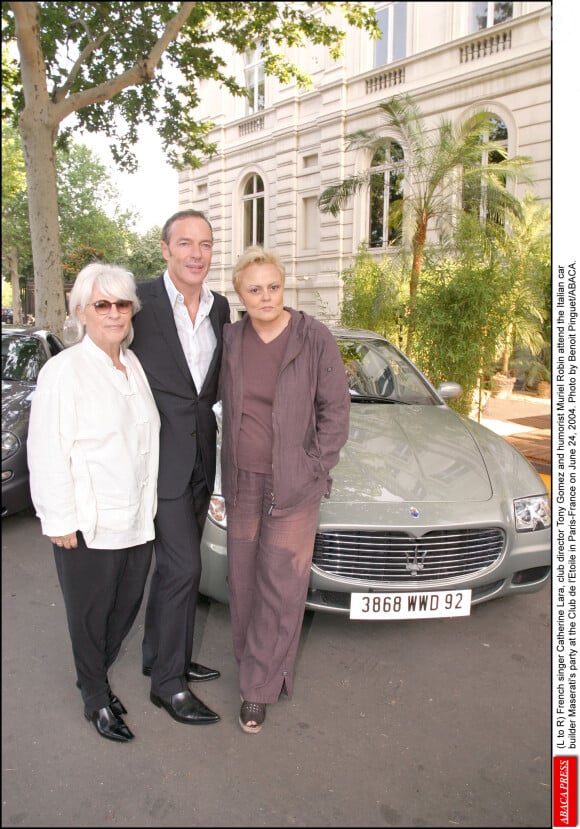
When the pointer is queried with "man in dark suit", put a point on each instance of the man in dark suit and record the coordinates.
(178, 339)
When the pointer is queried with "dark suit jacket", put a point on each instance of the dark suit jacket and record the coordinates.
(186, 412)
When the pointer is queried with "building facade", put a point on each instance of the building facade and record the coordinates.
(280, 148)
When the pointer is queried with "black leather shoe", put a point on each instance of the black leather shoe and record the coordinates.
(109, 725)
(195, 673)
(185, 707)
(115, 703)
(199, 673)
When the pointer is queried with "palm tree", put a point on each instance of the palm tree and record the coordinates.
(525, 255)
(438, 163)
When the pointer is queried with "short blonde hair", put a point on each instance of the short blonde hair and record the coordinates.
(110, 279)
(256, 255)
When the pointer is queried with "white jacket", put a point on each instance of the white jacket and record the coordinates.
(93, 448)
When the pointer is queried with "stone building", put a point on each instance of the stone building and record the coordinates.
(280, 148)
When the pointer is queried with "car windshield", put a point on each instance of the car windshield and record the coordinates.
(22, 358)
(379, 373)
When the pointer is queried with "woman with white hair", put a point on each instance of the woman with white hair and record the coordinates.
(93, 451)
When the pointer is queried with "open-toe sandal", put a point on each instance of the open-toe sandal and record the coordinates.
(254, 712)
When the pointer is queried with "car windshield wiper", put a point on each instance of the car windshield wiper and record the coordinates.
(372, 398)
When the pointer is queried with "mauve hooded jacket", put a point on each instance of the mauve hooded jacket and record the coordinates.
(310, 414)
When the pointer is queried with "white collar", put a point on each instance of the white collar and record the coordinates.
(97, 351)
(205, 297)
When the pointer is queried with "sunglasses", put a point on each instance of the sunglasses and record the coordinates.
(103, 306)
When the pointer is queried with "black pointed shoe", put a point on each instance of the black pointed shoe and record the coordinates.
(199, 673)
(109, 725)
(195, 672)
(185, 707)
(115, 703)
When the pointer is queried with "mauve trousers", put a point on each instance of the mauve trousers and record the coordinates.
(269, 559)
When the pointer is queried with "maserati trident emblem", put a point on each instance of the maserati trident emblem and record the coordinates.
(414, 512)
(415, 560)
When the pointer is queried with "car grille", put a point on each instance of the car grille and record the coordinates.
(399, 557)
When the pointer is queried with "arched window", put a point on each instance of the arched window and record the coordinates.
(475, 198)
(386, 196)
(253, 207)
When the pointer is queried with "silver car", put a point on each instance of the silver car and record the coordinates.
(430, 512)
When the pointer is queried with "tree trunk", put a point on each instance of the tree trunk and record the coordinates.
(39, 161)
(15, 282)
(418, 248)
(505, 363)
(508, 348)
(38, 125)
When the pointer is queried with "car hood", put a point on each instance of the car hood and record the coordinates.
(16, 397)
(398, 453)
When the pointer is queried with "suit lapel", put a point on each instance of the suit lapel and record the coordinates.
(166, 322)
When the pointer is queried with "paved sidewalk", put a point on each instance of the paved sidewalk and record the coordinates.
(526, 422)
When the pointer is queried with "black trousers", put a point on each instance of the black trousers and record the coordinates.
(102, 591)
(172, 602)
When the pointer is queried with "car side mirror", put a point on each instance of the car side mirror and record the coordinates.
(449, 391)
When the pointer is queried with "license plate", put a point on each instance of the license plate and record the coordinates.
(425, 605)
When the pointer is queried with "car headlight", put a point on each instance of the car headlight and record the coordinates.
(532, 513)
(217, 511)
(10, 445)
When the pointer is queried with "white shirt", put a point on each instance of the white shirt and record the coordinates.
(197, 340)
(93, 448)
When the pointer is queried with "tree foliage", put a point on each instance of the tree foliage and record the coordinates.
(16, 251)
(374, 295)
(89, 209)
(93, 225)
(118, 65)
(81, 256)
(460, 310)
(439, 162)
(488, 290)
(145, 259)
(525, 255)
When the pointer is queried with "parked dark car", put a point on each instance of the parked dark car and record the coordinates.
(24, 352)
(430, 512)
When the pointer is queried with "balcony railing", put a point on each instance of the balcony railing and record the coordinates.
(385, 79)
(484, 46)
(253, 125)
